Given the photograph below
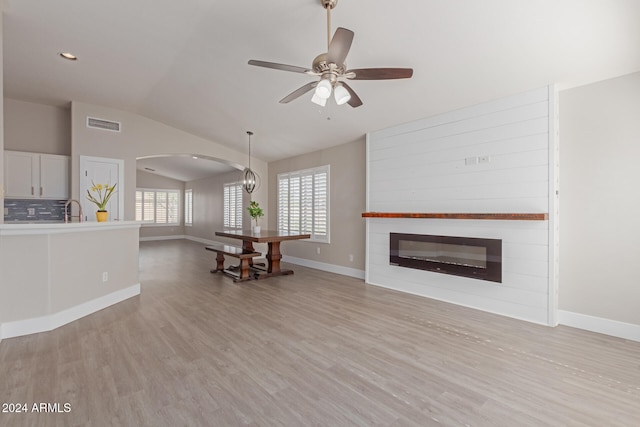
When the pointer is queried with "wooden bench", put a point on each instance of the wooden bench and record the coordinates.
(233, 251)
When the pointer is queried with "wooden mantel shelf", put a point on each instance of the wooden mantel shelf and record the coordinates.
(493, 216)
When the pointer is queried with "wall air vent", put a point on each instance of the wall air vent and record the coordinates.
(95, 123)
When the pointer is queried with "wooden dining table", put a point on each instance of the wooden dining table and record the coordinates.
(273, 239)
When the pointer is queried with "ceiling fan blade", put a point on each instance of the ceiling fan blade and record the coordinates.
(355, 100)
(380, 73)
(276, 66)
(339, 46)
(298, 92)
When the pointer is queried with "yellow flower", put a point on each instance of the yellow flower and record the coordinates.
(103, 194)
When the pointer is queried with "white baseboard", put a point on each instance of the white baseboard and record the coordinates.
(627, 331)
(331, 268)
(172, 237)
(50, 322)
(201, 240)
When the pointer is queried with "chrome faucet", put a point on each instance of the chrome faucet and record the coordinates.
(67, 211)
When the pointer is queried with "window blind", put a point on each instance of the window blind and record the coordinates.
(303, 202)
(233, 205)
(158, 206)
(188, 207)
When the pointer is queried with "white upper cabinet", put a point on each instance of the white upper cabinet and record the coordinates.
(36, 176)
(20, 174)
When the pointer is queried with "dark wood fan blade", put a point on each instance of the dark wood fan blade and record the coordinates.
(298, 92)
(276, 66)
(355, 100)
(380, 73)
(339, 46)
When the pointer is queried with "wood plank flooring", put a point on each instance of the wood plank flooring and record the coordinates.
(312, 349)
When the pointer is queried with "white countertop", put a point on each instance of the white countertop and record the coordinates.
(23, 228)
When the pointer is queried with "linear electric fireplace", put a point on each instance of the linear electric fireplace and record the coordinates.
(459, 256)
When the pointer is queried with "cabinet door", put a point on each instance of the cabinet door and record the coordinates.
(21, 175)
(54, 177)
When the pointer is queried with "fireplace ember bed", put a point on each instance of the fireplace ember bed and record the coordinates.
(472, 257)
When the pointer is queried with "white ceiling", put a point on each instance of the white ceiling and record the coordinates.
(184, 167)
(184, 62)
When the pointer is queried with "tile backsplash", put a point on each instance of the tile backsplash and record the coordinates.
(33, 210)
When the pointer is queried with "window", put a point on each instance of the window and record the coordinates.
(188, 207)
(303, 202)
(233, 205)
(158, 206)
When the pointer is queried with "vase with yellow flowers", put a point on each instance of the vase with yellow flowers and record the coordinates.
(100, 195)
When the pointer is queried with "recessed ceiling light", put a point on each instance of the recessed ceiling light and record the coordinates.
(195, 157)
(69, 56)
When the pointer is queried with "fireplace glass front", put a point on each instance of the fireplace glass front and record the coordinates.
(461, 256)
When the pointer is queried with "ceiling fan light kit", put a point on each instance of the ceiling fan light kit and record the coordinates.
(341, 95)
(317, 100)
(331, 67)
(323, 90)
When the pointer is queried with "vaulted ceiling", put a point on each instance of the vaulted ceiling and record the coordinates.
(184, 62)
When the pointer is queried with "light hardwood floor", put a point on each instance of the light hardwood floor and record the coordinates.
(310, 349)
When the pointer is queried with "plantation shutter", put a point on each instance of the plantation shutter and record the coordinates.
(161, 208)
(188, 207)
(303, 202)
(148, 206)
(158, 206)
(321, 206)
(283, 205)
(233, 205)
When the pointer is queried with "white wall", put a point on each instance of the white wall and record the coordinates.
(208, 206)
(420, 167)
(141, 136)
(1, 128)
(600, 202)
(37, 128)
(1, 120)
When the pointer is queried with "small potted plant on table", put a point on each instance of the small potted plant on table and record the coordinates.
(255, 211)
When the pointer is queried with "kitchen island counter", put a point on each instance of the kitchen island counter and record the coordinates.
(54, 273)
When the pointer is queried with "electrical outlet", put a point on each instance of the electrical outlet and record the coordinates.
(484, 159)
(350, 257)
(105, 276)
(471, 161)
(318, 250)
(31, 211)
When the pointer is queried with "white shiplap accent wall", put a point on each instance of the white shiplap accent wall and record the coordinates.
(420, 167)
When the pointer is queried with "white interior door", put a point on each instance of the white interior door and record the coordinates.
(100, 170)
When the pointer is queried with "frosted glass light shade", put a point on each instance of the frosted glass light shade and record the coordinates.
(317, 100)
(323, 90)
(341, 95)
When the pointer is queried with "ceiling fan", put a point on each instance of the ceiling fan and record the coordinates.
(331, 69)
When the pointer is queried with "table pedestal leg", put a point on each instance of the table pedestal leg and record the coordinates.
(220, 262)
(273, 262)
(273, 257)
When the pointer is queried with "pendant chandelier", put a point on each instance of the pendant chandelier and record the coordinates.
(249, 177)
